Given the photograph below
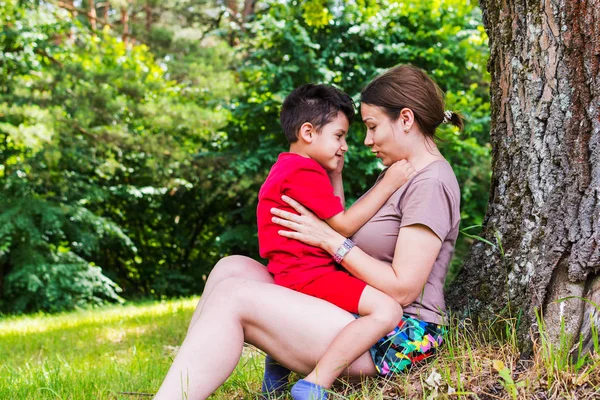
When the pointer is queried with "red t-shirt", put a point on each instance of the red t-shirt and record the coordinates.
(293, 263)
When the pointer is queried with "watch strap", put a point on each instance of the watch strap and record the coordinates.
(343, 250)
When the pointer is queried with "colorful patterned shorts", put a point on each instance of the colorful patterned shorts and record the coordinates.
(411, 341)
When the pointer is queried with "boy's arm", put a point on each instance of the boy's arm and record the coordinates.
(349, 221)
(338, 186)
(336, 181)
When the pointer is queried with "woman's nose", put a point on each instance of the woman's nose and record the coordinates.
(369, 140)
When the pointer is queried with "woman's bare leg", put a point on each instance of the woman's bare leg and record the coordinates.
(231, 267)
(294, 328)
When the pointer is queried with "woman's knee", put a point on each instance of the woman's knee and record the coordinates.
(230, 290)
(234, 267)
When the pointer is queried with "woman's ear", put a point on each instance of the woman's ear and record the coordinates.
(407, 117)
(307, 131)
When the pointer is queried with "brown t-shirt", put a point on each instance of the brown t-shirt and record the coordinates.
(430, 198)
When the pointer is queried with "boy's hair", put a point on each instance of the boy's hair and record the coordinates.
(317, 104)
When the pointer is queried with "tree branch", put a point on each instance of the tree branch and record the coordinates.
(93, 18)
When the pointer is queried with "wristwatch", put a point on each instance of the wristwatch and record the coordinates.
(343, 250)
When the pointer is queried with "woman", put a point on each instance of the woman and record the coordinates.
(403, 251)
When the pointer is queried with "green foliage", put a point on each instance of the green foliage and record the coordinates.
(45, 236)
(347, 45)
(40, 245)
(98, 166)
(129, 164)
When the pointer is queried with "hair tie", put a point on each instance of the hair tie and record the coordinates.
(447, 116)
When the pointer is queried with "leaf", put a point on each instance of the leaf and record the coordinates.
(507, 380)
(434, 380)
(498, 365)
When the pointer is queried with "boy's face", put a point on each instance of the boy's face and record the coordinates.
(328, 146)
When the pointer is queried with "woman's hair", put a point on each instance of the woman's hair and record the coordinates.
(405, 86)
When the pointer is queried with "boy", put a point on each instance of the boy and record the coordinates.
(315, 120)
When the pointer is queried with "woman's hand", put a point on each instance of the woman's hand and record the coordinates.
(306, 227)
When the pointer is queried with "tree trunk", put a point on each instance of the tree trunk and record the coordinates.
(232, 6)
(249, 6)
(148, 12)
(106, 10)
(544, 207)
(69, 4)
(92, 14)
(125, 23)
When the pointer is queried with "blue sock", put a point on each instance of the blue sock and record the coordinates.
(275, 378)
(304, 390)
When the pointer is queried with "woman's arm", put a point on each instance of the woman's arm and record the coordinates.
(416, 250)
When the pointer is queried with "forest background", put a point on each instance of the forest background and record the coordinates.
(135, 134)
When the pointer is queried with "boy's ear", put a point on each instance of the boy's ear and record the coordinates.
(307, 132)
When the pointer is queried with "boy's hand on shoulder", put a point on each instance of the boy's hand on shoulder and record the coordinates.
(398, 174)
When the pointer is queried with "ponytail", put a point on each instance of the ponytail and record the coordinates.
(454, 118)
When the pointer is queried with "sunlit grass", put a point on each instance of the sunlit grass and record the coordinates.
(118, 352)
(124, 352)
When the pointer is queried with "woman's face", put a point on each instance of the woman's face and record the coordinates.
(384, 136)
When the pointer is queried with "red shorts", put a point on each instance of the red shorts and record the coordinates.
(337, 287)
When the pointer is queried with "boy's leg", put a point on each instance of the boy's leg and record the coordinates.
(380, 314)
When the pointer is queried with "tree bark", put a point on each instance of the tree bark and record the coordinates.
(249, 6)
(105, 10)
(92, 14)
(544, 207)
(232, 6)
(125, 23)
(247, 14)
(148, 12)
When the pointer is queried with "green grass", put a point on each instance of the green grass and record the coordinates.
(96, 354)
(124, 352)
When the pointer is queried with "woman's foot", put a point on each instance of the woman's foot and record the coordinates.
(275, 378)
(305, 390)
